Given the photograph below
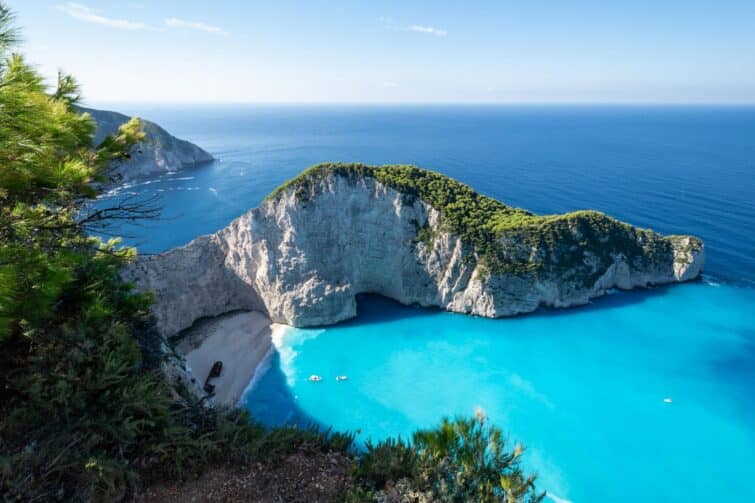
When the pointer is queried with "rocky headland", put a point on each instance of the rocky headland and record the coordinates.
(159, 152)
(415, 236)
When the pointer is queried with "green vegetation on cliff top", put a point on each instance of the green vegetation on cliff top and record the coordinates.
(507, 239)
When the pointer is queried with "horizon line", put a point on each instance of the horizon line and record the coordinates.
(85, 102)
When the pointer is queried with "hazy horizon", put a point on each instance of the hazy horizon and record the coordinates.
(318, 52)
(90, 103)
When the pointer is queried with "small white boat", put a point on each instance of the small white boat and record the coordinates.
(315, 378)
(667, 400)
(341, 378)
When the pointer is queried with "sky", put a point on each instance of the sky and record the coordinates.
(410, 51)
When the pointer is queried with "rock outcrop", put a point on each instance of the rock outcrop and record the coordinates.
(305, 253)
(160, 152)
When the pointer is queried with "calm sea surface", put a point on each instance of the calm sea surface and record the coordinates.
(584, 389)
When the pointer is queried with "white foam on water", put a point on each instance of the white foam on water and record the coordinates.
(261, 370)
(528, 388)
(557, 499)
(285, 339)
(708, 280)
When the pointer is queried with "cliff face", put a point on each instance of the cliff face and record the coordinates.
(160, 152)
(306, 252)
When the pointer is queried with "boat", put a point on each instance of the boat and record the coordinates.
(667, 400)
(341, 378)
(315, 378)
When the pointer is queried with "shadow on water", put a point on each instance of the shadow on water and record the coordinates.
(272, 402)
(619, 299)
(737, 369)
(374, 308)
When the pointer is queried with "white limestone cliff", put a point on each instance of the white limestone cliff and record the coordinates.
(303, 261)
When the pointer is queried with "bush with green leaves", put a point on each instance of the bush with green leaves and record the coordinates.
(460, 460)
(392, 459)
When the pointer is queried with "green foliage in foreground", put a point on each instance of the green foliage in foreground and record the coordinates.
(47, 165)
(84, 411)
(507, 239)
(460, 460)
(80, 412)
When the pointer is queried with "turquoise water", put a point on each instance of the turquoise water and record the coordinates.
(584, 389)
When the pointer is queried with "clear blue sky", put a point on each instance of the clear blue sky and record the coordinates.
(517, 51)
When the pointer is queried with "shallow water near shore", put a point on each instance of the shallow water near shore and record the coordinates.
(584, 389)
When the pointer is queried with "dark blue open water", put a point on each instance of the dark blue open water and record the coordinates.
(583, 388)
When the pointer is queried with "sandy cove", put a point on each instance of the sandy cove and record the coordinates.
(241, 340)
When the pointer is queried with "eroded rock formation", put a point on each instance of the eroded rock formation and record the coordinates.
(302, 258)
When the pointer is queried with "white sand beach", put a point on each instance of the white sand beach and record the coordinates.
(240, 340)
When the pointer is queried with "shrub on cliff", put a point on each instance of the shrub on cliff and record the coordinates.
(460, 460)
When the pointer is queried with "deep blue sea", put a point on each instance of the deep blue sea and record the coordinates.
(641, 396)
